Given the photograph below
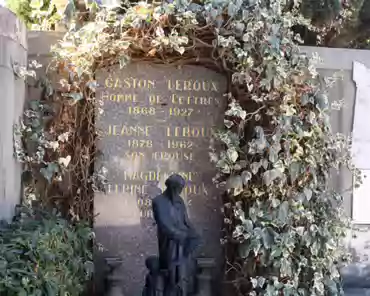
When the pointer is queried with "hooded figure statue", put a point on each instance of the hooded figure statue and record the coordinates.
(177, 238)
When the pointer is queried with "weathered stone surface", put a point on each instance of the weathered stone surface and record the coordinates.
(157, 120)
(13, 50)
(356, 276)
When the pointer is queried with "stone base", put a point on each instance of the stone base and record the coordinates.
(356, 292)
(205, 276)
(112, 280)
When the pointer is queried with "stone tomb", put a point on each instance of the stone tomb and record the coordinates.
(157, 120)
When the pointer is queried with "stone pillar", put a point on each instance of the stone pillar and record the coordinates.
(13, 49)
(206, 268)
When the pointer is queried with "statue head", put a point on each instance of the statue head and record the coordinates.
(175, 184)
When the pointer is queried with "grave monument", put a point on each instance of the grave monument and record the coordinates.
(156, 120)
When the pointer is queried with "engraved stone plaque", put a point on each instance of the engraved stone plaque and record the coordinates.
(157, 120)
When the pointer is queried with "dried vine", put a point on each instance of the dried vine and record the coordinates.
(278, 146)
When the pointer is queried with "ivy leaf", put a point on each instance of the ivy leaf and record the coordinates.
(46, 84)
(279, 165)
(228, 123)
(236, 183)
(305, 99)
(248, 224)
(288, 290)
(255, 166)
(228, 137)
(223, 166)
(270, 290)
(35, 105)
(308, 193)
(285, 267)
(255, 246)
(267, 238)
(261, 281)
(276, 252)
(49, 171)
(283, 212)
(234, 8)
(270, 176)
(294, 170)
(274, 151)
(51, 288)
(322, 101)
(36, 4)
(246, 177)
(265, 163)
(254, 283)
(75, 96)
(124, 60)
(180, 50)
(259, 144)
(64, 161)
(300, 230)
(232, 154)
(273, 155)
(22, 292)
(332, 287)
(236, 110)
(68, 11)
(213, 157)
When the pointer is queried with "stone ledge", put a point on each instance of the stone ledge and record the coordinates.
(206, 262)
(40, 42)
(12, 27)
(356, 292)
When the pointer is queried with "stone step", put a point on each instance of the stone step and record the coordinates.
(206, 262)
(113, 262)
(357, 292)
(204, 277)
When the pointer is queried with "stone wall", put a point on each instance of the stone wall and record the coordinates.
(39, 44)
(356, 277)
(16, 46)
(340, 61)
(13, 49)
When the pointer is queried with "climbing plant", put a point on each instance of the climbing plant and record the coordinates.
(37, 15)
(283, 223)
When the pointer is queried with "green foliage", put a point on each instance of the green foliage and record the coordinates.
(32, 144)
(42, 254)
(38, 150)
(22, 9)
(37, 14)
(281, 215)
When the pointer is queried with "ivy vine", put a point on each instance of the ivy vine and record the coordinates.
(284, 224)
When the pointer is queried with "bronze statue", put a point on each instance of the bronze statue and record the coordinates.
(177, 239)
(154, 281)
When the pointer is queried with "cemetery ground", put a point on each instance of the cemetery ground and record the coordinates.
(219, 93)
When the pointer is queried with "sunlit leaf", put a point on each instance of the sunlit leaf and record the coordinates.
(232, 154)
(246, 177)
(235, 183)
(283, 212)
(36, 4)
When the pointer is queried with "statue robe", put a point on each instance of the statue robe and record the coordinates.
(177, 240)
